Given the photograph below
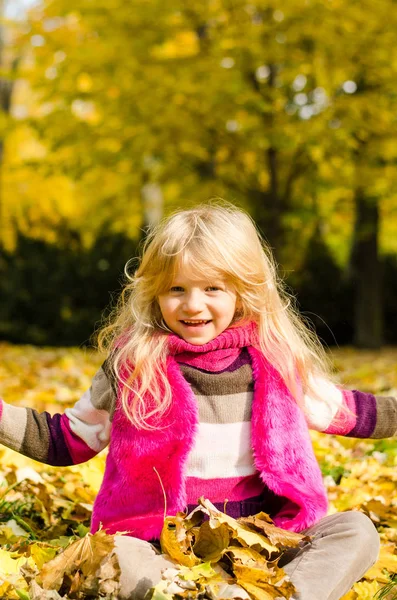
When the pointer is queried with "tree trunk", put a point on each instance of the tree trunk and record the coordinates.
(268, 210)
(270, 203)
(367, 273)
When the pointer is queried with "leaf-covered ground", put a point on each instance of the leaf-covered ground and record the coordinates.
(43, 508)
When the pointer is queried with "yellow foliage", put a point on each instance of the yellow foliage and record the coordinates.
(183, 44)
(84, 82)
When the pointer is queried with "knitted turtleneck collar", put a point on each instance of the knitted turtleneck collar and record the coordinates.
(217, 354)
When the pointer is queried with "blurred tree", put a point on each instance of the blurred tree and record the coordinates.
(202, 102)
(262, 104)
(367, 113)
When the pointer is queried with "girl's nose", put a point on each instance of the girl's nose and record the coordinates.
(193, 302)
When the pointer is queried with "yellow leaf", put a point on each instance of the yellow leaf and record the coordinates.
(7, 590)
(245, 536)
(10, 565)
(350, 596)
(252, 574)
(387, 560)
(365, 590)
(211, 542)
(203, 571)
(172, 544)
(276, 535)
(41, 554)
(259, 593)
(10, 576)
(247, 556)
(264, 578)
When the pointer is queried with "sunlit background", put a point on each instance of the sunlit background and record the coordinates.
(114, 115)
(16, 9)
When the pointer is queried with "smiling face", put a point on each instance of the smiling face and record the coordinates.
(197, 310)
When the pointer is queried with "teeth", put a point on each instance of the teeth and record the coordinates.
(194, 322)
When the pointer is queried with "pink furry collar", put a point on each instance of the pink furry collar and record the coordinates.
(217, 354)
(239, 335)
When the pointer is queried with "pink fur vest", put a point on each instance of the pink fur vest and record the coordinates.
(131, 498)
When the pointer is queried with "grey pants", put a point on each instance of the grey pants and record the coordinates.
(343, 547)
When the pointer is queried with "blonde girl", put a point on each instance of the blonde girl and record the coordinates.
(211, 384)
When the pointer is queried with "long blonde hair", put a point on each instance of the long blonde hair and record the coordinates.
(214, 240)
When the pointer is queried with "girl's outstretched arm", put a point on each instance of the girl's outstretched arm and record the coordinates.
(67, 439)
(351, 413)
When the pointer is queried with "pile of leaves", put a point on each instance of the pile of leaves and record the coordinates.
(45, 511)
(223, 557)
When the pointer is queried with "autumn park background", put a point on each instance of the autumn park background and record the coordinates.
(113, 114)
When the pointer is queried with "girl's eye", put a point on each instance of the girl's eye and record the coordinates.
(213, 288)
(176, 288)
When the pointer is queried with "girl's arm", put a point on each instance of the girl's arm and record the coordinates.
(67, 439)
(350, 412)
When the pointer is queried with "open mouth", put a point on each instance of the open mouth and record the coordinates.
(189, 323)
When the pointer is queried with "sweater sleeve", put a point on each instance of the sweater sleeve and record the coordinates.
(350, 412)
(67, 439)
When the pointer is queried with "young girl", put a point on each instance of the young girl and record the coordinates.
(210, 387)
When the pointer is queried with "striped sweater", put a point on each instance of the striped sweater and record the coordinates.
(84, 430)
(220, 464)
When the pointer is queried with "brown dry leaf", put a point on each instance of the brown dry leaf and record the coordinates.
(109, 576)
(211, 543)
(36, 592)
(103, 582)
(277, 536)
(74, 583)
(85, 554)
